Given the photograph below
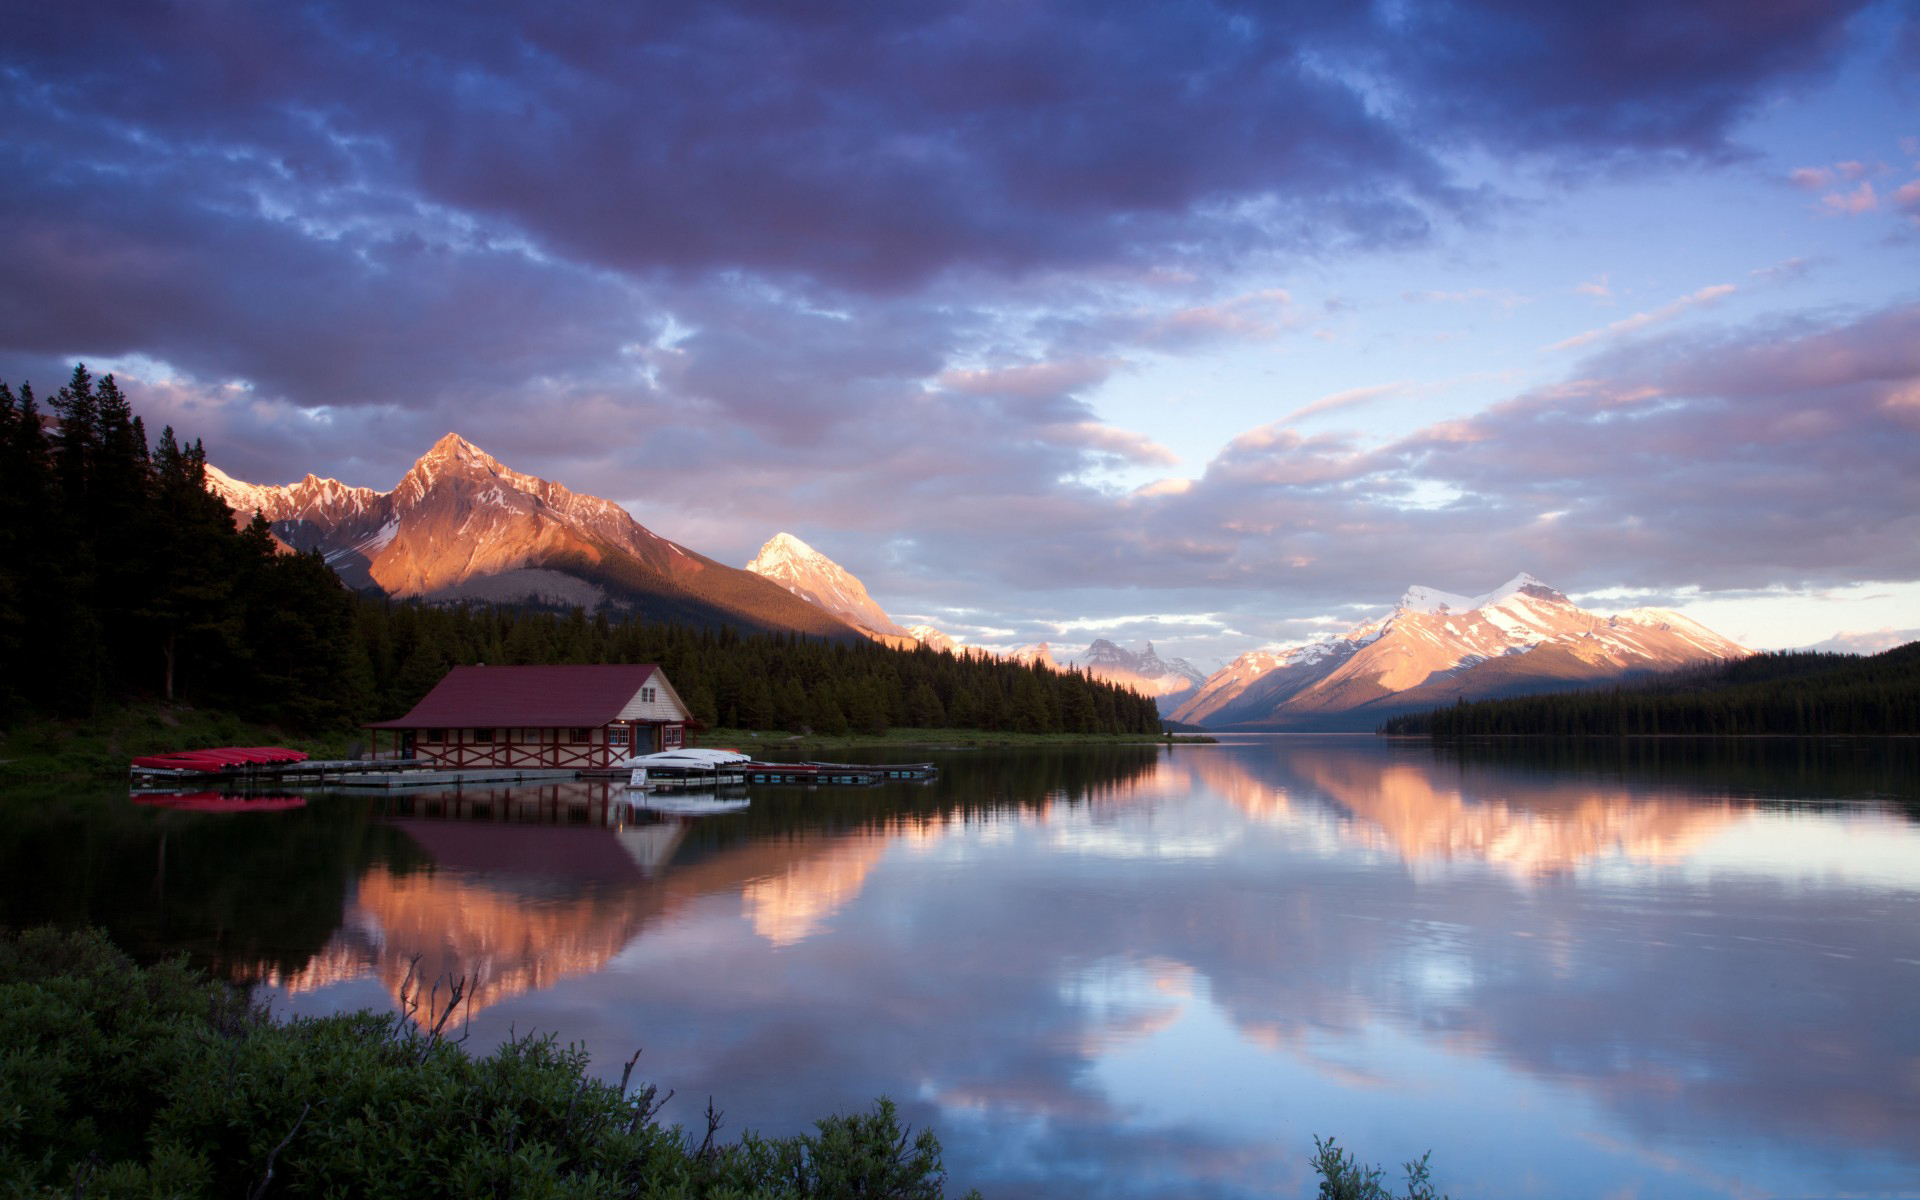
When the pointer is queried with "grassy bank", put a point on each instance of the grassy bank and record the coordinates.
(104, 744)
(754, 741)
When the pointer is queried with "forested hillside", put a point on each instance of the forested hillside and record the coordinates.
(1791, 692)
(122, 577)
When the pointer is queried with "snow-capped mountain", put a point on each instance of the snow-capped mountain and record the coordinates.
(1038, 652)
(814, 577)
(462, 525)
(932, 638)
(817, 579)
(1436, 647)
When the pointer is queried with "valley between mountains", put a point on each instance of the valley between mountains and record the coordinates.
(462, 526)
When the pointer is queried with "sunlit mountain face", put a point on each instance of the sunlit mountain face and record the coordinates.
(461, 525)
(1435, 648)
(817, 579)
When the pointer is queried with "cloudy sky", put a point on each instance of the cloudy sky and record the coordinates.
(1212, 323)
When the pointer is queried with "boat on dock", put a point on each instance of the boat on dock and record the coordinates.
(688, 767)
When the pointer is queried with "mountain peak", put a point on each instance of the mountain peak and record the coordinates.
(452, 446)
(1439, 647)
(815, 578)
(1422, 599)
(784, 547)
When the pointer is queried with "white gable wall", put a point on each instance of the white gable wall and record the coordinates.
(666, 704)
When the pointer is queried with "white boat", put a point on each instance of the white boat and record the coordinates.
(678, 768)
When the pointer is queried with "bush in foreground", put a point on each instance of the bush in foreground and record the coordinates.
(119, 1081)
(1343, 1177)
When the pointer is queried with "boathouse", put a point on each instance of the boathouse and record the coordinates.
(558, 717)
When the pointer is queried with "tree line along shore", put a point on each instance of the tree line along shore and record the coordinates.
(1789, 693)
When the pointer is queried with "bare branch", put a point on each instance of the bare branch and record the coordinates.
(267, 1178)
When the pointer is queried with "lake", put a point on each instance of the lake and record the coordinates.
(1656, 968)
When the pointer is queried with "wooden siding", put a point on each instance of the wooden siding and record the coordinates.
(666, 704)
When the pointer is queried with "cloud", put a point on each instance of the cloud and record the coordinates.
(1705, 459)
(1638, 321)
(1347, 399)
(1859, 200)
(859, 265)
(1867, 641)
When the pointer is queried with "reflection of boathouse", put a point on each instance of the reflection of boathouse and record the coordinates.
(562, 717)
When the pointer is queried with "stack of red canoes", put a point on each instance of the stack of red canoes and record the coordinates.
(223, 758)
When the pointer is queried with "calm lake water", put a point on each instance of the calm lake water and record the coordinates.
(1660, 969)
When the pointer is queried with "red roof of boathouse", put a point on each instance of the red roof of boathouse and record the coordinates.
(536, 697)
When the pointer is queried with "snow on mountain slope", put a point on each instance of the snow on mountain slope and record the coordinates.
(817, 579)
(1436, 646)
(814, 577)
(461, 524)
(932, 638)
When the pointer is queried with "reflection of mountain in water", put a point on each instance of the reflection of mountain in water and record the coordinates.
(528, 885)
(532, 885)
(1547, 827)
(1533, 824)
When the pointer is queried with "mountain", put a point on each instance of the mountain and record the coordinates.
(1436, 647)
(1143, 670)
(460, 525)
(932, 638)
(817, 579)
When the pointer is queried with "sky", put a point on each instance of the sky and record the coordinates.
(1213, 324)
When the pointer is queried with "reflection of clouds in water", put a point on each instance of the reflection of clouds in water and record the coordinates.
(794, 904)
(1812, 851)
(1111, 842)
(1164, 994)
(1121, 1001)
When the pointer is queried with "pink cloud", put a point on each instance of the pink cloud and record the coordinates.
(1346, 399)
(1861, 199)
(1638, 321)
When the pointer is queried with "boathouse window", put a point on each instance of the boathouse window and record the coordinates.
(670, 736)
(436, 735)
(483, 735)
(646, 695)
(577, 735)
(617, 735)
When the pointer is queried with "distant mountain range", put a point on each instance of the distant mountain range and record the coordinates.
(460, 525)
(1435, 648)
(813, 576)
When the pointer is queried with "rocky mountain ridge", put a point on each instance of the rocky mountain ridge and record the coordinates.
(461, 525)
(1436, 647)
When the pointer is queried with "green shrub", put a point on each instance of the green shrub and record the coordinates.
(1342, 1177)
